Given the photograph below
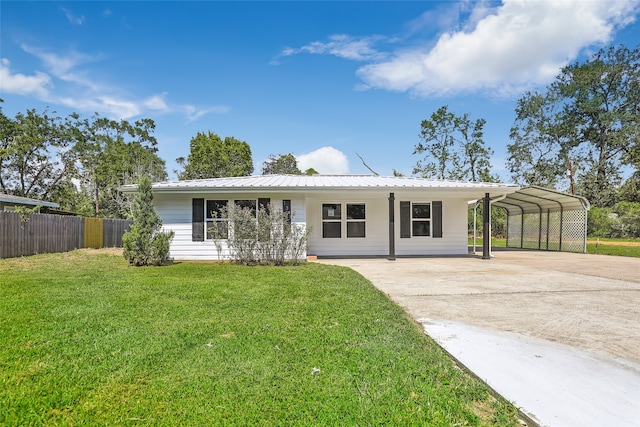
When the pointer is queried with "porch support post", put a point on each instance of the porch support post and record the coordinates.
(392, 228)
(486, 229)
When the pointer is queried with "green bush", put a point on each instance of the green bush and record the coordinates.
(628, 223)
(264, 237)
(623, 221)
(600, 222)
(145, 244)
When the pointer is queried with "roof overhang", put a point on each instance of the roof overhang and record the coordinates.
(19, 200)
(537, 199)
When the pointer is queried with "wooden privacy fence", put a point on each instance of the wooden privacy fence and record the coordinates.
(30, 234)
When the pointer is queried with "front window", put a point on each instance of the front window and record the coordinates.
(355, 220)
(421, 219)
(331, 220)
(216, 222)
(247, 204)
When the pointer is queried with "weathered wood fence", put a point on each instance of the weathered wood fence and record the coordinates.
(30, 234)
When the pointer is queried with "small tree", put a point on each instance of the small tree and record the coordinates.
(145, 244)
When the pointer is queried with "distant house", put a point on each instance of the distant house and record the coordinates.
(9, 203)
(350, 215)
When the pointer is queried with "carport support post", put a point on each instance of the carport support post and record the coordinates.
(486, 228)
(392, 228)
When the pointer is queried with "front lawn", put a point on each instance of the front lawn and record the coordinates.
(86, 339)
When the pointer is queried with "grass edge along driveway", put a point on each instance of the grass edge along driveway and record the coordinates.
(89, 340)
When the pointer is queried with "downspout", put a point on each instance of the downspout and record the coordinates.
(490, 202)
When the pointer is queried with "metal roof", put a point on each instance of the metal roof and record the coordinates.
(309, 183)
(536, 199)
(19, 200)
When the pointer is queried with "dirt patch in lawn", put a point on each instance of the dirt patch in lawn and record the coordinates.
(595, 242)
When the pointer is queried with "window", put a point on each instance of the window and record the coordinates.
(247, 204)
(421, 219)
(216, 223)
(355, 220)
(332, 220)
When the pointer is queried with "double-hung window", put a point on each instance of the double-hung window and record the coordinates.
(333, 218)
(217, 226)
(356, 224)
(421, 219)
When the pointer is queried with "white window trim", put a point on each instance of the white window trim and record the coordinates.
(343, 219)
(430, 219)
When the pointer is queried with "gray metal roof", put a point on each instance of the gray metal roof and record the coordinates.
(18, 200)
(536, 199)
(309, 183)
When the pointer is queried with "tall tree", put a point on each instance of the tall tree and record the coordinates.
(454, 148)
(589, 116)
(112, 153)
(540, 153)
(475, 155)
(36, 154)
(211, 157)
(281, 164)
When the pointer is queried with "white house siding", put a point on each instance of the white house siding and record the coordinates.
(175, 211)
(454, 230)
(376, 243)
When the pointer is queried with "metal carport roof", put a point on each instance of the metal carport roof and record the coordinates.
(532, 200)
(539, 218)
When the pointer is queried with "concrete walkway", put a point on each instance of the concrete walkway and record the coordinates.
(557, 334)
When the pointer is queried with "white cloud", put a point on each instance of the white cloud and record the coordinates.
(517, 45)
(38, 84)
(326, 160)
(340, 45)
(73, 19)
(156, 102)
(83, 92)
(194, 114)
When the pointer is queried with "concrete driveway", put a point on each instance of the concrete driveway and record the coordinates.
(558, 334)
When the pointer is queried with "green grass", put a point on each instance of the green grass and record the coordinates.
(86, 339)
(599, 246)
(607, 248)
(495, 242)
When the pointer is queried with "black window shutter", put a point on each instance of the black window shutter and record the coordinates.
(436, 212)
(405, 220)
(197, 220)
(264, 204)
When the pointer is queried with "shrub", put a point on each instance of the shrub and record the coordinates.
(600, 222)
(628, 224)
(145, 244)
(263, 237)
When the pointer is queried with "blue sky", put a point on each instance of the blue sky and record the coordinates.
(323, 80)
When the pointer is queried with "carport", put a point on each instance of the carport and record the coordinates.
(543, 219)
